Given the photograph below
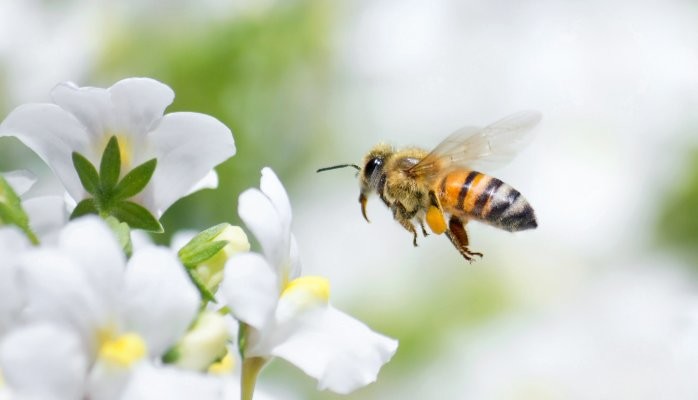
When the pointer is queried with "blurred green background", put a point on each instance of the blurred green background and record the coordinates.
(612, 174)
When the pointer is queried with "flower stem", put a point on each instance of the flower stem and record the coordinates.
(248, 379)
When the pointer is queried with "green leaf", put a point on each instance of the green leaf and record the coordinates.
(136, 216)
(171, 356)
(206, 235)
(11, 211)
(86, 172)
(197, 254)
(86, 206)
(203, 238)
(135, 180)
(110, 166)
(122, 232)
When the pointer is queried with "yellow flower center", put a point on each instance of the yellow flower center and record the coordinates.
(308, 289)
(224, 366)
(124, 350)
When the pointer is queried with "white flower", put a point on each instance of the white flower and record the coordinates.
(186, 145)
(290, 316)
(125, 312)
(13, 243)
(43, 361)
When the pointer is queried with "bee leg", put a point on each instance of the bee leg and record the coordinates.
(402, 216)
(424, 231)
(459, 237)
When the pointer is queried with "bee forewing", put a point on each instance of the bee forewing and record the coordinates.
(482, 148)
(498, 143)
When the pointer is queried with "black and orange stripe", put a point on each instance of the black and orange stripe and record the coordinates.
(473, 195)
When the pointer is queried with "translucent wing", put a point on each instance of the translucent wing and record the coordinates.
(486, 148)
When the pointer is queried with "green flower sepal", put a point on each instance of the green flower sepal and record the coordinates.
(109, 194)
(11, 211)
(206, 254)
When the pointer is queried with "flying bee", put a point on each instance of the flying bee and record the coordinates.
(443, 189)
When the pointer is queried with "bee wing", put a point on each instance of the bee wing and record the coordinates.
(487, 148)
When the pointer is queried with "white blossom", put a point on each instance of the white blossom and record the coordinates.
(82, 119)
(288, 315)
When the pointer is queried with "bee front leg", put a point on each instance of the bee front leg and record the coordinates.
(404, 217)
(459, 237)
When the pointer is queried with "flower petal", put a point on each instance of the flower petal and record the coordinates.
(339, 351)
(150, 382)
(90, 105)
(260, 216)
(250, 288)
(159, 300)
(139, 103)
(47, 215)
(210, 181)
(20, 181)
(53, 134)
(92, 245)
(12, 243)
(58, 291)
(271, 186)
(187, 146)
(43, 361)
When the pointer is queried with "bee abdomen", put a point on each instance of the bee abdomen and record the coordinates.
(474, 195)
(506, 208)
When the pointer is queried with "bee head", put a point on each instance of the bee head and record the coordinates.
(372, 168)
(371, 172)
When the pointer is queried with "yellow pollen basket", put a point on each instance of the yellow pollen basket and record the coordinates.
(224, 366)
(309, 287)
(123, 351)
(435, 220)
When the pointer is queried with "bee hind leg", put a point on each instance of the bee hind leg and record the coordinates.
(459, 237)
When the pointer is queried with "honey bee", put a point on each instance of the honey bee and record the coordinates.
(442, 185)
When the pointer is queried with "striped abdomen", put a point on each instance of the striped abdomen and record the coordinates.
(473, 195)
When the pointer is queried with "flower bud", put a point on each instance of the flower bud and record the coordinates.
(204, 344)
(205, 255)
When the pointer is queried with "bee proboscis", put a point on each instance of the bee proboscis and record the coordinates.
(442, 188)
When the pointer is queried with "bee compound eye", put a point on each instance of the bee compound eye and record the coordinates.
(371, 166)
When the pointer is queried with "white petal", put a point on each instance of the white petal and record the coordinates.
(107, 382)
(12, 243)
(296, 265)
(43, 361)
(339, 351)
(210, 181)
(187, 146)
(139, 103)
(90, 105)
(271, 186)
(20, 181)
(250, 288)
(159, 299)
(260, 216)
(150, 382)
(58, 291)
(53, 134)
(93, 246)
(47, 215)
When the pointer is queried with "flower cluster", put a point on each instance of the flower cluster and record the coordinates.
(88, 311)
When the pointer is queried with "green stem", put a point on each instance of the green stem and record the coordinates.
(248, 379)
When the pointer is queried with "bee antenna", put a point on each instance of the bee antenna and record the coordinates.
(339, 166)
